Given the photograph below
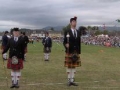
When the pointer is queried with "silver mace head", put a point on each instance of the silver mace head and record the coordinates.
(67, 35)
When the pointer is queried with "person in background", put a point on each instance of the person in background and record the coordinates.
(47, 43)
(5, 39)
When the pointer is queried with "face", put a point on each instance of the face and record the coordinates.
(46, 35)
(73, 23)
(16, 33)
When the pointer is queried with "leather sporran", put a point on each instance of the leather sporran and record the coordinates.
(74, 58)
(47, 49)
(14, 60)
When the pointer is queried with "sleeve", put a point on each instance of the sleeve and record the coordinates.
(27, 40)
(50, 42)
(65, 38)
(43, 41)
(23, 44)
(7, 47)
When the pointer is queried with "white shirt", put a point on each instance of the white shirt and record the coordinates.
(73, 31)
(16, 39)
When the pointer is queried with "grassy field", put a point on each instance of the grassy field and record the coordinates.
(100, 69)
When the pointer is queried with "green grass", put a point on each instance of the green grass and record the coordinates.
(100, 69)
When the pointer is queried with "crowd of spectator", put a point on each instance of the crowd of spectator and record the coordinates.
(102, 40)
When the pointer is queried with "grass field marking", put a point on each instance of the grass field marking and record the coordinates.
(37, 84)
(103, 87)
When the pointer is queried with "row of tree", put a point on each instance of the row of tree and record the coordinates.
(93, 30)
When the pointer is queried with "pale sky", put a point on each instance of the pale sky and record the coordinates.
(42, 13)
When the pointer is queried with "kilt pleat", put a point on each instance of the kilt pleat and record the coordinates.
(69, 63)
(13, 66)
(47, 51)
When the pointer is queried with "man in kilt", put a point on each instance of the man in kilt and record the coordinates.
(4, 44)
(26, 41)
(72, 45)
(16, 49)
(47, 42)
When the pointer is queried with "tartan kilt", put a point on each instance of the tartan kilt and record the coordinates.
(69, 63)
(15, 67)
(47, 51)
(25, 51)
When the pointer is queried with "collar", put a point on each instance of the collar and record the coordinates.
(73, 29)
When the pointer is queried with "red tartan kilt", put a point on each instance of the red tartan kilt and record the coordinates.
(15, 67)
(69, 63)
(25, 51)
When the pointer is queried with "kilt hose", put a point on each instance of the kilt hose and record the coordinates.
(46, 49)
(69, 62)
(15, 66)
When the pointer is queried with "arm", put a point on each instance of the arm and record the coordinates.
(43, 41)
(7, 47)
(50, 42)
(27, 40)
(65, 39)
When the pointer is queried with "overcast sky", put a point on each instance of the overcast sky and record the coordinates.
(42, 13)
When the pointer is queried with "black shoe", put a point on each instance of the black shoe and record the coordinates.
(13, 86)
(69, 84)
(17, 86)
(5, 59)
(46, 60)
(74, 84)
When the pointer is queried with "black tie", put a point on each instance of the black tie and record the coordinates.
(74, 34)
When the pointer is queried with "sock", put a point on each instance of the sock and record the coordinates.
(69, 74)
(13, 77)
(24, 56)
(73, 74)
(18, 74)
(45, 56)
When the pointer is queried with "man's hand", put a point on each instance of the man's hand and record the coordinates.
(67, 45)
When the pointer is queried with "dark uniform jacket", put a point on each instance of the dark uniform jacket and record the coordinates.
(15, 48)
(26, 40)
(74, 43)
(47, 42)
(5, 40)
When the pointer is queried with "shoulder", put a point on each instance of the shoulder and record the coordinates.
(21, 38)
(44, 38)
(4, 36)
(78, 31)
(49, 37)
(67, 31)
(12, 38)
(26, 36)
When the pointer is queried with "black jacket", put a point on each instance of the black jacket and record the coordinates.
(15, 48)
(74, 43)
(47, 42)
(26, 40)
(4, 40)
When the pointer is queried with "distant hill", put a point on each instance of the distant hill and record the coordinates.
(57, 28)
(110, 28)
(60, 28)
